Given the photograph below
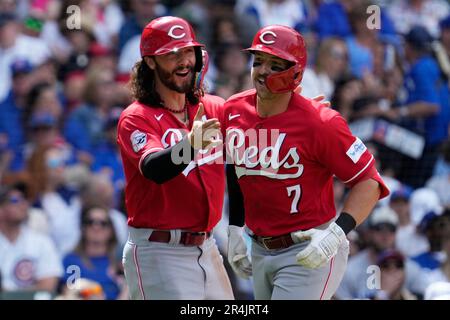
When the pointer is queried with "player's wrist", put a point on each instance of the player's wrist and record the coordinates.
(346, 222)
(232, 229)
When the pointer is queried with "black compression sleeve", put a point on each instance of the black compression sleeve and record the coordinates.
(159, 166)
(346, 222)
(236, 213)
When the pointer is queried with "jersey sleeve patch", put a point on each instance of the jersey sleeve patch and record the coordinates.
(356, 150)
(138, 140)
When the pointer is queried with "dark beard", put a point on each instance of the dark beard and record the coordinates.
(166, 77)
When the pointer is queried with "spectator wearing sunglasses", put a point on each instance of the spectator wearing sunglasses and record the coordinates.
(393, 277)
(95, 256)
(360, 280)
(28, 259)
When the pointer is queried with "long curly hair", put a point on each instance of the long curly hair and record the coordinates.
(142, 85)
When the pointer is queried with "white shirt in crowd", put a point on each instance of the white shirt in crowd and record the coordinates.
(314, 84)
(34, 50)
(431, 13)
(409, 242)
(30, 258)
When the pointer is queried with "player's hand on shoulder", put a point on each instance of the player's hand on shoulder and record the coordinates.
(204, 134)
(237, 252)
(324, 244)
(320, 98)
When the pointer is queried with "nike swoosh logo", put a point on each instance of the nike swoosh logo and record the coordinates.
(232, 116)
(159, 117)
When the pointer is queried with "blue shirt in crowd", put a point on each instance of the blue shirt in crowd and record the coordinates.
(97, 272)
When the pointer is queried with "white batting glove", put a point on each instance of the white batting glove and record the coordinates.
(323, 246)
(237, 252)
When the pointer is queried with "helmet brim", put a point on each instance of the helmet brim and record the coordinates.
(273, 51)
(175, 47)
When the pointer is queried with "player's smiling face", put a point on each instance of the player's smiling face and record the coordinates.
(176, 69)
(265, 64)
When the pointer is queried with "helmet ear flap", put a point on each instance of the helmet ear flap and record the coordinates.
(201, 66)
(198, 59)
(286, 80)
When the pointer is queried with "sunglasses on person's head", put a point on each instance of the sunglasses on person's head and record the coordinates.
(98, 222)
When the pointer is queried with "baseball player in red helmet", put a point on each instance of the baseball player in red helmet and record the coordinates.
(285, 150)
(174, 191)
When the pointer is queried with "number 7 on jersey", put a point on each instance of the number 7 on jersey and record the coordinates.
(296, 192)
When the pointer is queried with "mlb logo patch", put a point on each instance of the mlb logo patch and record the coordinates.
(138, 140)
(356, 150)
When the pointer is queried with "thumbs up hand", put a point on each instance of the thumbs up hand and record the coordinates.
(203, 135)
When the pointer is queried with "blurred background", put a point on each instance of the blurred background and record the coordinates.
(383, 64)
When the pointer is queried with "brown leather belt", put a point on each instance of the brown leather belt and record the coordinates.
(187, 238)
(275, 243)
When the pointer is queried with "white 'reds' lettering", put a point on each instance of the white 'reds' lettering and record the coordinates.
(263, 36)
(297, 193)
(175, 137)
(253, 156)
(174, 36)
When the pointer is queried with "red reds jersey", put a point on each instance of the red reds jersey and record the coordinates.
(192, 200)
(285, 163)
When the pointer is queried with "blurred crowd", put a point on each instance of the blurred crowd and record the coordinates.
(64, 72)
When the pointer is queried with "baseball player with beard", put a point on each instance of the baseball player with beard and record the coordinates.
(284, 151)
(174, 191)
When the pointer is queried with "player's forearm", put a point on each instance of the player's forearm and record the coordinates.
(362, 199)
(160, 167)
(236, 212)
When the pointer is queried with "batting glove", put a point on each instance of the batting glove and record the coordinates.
(323, 246)
(237, 252)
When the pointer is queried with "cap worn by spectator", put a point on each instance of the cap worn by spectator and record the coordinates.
(97, 50)
(428, 220)
(390, 255)
(445, 23)
(6, 17)
(33, 23)
(383, 216)
(402, 193)
(21, 66)
(419, 38)
(422, 201)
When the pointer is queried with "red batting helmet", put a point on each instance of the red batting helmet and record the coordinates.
(168, 34)
(285, 43)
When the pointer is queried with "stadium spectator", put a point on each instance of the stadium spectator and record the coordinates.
(96, 253)
(29, 260)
